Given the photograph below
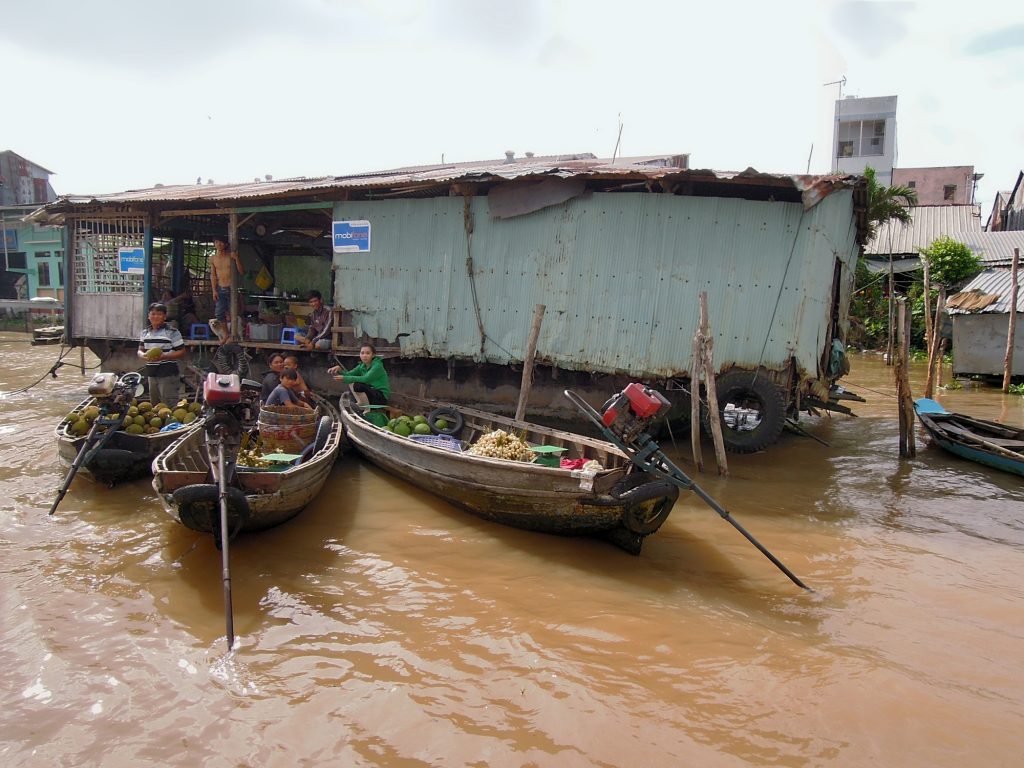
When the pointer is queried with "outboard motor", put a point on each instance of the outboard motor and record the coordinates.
(629, 413)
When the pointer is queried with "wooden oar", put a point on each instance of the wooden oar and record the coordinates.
(965, 434)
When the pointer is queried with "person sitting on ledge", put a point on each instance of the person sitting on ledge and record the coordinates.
(368, 378)
(318, 325)
(286, 393)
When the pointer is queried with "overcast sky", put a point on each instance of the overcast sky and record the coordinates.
(114, 95)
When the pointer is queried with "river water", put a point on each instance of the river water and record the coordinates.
(385, 627)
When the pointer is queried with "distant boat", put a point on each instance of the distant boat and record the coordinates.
(986, 442)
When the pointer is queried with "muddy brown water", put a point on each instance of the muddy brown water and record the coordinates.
(385, 627)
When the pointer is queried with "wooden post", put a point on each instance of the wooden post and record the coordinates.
(933, 350)
(695, 368)
(908, 448)
(1011, 330)
(709, 384)
(235, 330)
(531, 353)
(927, 305)
(889, 350)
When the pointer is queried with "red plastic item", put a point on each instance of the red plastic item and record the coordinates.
(222, 389)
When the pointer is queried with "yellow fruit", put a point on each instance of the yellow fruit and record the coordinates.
(154, 353)
(80, 427)
(180, 414)
(133, 429)
(91, 413)
(188, 418)
(133, 411)
(163, 413)
(156, 423)
(145, 406)
(195, 407)
(140, 420)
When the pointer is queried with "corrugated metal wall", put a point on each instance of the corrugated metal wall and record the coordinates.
(620, 274)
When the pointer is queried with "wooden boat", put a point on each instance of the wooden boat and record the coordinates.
(122, 457)
(986, 442)
(259, 497)
(617, 502)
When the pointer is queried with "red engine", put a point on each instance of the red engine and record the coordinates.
(629, 412)
(221, 389)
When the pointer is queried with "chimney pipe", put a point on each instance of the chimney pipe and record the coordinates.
(510, 156)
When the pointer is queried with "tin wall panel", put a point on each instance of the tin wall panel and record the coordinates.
(620, 275)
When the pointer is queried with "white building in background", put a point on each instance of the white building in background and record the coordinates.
(865, 135)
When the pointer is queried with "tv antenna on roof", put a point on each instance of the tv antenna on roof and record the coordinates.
(839, 108)
(618, 141)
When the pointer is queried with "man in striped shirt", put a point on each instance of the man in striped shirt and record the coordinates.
(161, 346)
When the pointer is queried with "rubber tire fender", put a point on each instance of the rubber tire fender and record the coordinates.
(738, 385)
(199, 508)
(452, 416)
(646, 521)
(323, 433)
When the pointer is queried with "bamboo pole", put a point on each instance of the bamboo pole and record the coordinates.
(695, 368)
(1012, 329)
(889, 350)
(905, 402)
(933, 350)
(709, 383)
(531, 354)
(234, 330)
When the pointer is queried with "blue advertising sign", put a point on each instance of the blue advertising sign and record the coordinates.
(11, 239)
(132, 261)
(351, 236)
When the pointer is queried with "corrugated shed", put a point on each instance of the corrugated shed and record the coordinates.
(620, 275)
(930, 222)
(995, 249)
(989, 292)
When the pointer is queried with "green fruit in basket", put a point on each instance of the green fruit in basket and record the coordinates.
(156, 422)
(440, 424)
(422, 428)
(419, 418)
(80, 427)
(402, 428)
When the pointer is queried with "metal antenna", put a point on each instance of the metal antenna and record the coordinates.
(835, 151)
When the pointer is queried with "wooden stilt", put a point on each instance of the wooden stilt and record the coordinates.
(908, 448)
(709, 383)
(531, 353)
(696, 366)
(1011, 330)
(933, 350)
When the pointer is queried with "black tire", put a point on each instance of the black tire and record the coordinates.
(758, 412)
(199, 508)
(453, 417)
(648, 506)
(323, 433)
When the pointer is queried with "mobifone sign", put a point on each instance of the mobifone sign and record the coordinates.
(351, 236)
(131, 261)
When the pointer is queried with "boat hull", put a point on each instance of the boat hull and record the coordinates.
(983, 442)
(271, 497)
(520, 494)
(122, 458)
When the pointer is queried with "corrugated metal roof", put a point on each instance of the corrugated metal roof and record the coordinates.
(407, 181)
(991, 282)
(930, 222)
(995, 249)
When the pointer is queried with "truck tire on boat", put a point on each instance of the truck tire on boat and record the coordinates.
(648, 506)
(199, 508)
(323, 433)
(757, 414)
(453, 417)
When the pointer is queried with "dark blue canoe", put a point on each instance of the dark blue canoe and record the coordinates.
(986, 442)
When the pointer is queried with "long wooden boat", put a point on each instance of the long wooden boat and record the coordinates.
(261, 497)
(986, 442)
(123, 456)
(617, 502)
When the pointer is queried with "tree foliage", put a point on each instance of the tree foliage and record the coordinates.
(950, 262)
(887, 203)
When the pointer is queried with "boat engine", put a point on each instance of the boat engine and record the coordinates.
(229, 392)
(115, 393)
(629, 413)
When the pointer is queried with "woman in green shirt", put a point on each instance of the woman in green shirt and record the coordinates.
(369, 377)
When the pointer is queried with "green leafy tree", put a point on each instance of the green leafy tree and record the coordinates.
(887, 203)
(950, 262)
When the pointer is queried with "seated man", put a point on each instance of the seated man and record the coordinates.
(286, 393)
(318, 325)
